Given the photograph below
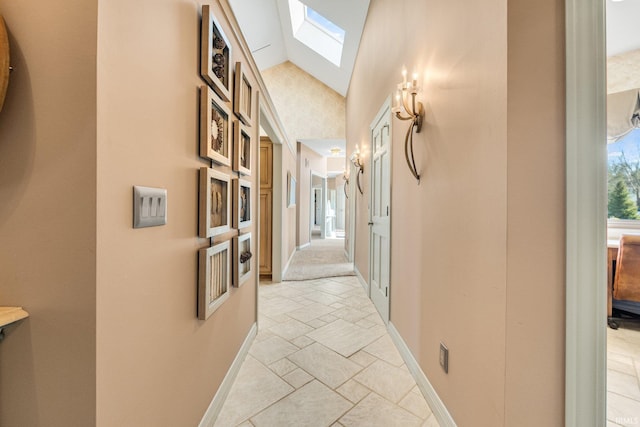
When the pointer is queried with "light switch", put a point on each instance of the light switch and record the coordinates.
(149, 206)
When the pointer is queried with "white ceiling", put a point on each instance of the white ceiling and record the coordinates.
(266, 25)
(623, 26)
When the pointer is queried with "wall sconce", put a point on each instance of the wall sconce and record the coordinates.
(409, 109)
(345, 176)
(355, 159)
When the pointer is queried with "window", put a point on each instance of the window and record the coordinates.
(624, 177)
(317, 32)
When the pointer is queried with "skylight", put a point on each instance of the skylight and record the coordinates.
(316, 32)
(324, 24)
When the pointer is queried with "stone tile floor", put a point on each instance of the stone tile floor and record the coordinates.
(323, 357)
(623, 375)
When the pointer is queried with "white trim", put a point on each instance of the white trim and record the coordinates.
(286, 267)
(209, 418)
(303, 246)
(433, 400)
(363, 282)
(276, 209)
(586, 209)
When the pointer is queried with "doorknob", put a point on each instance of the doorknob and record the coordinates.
(370, 223)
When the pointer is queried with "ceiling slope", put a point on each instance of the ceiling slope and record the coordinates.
(266, 25)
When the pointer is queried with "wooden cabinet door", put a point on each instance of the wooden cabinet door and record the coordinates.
(266, 205)
(266, 164)
(266, 199)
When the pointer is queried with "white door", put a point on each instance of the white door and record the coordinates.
(340, 202)
(317, 194)
(351, 224)
(380, 211)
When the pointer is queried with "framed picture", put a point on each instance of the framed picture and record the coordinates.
(214, 201)
(214, 277)
(291, 190)
(241, 148)
(241, 258)
(241, 203)
(242, 95)
(215, 55)
(215, 128)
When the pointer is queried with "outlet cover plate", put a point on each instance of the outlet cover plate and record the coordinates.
(149, 206)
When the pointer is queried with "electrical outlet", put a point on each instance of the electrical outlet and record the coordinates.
(444, 357)
(149, 206)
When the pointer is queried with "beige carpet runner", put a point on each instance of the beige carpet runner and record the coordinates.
(323, 258)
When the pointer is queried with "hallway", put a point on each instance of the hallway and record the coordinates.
(322, 357)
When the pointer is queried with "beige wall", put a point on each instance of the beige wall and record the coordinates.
(157, 365)
(535, 223)
(47, 215)
(463, 267)
(289, 215)
(308, 161)
(307, 107)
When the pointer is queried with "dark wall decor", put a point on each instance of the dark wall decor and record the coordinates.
(215, 128)
(242, 258)
(241, 203)
(215, 55)
(241, 148)
(215, 206)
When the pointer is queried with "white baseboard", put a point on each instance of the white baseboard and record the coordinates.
(286, 267)
(210, 416)
(437, 406)
(304, 246)
(363, 282)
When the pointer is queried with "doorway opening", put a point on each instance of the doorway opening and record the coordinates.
(318, 209)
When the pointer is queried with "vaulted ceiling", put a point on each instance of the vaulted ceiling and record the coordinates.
(623, 31)
(269, 32)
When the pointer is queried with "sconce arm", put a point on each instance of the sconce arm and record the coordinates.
(360, 171)
(408, 149)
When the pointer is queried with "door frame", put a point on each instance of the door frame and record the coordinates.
(278, 144)
(586, 214)
(385, 109)
(323, 195)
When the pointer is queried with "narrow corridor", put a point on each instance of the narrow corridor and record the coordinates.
(323, 357)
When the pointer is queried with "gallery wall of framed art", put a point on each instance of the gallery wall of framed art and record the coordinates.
(228, 128)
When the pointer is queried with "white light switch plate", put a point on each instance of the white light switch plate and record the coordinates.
(149, 206)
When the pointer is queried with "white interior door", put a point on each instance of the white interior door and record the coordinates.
(380, 211)
(340, 207)
(351, 224)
